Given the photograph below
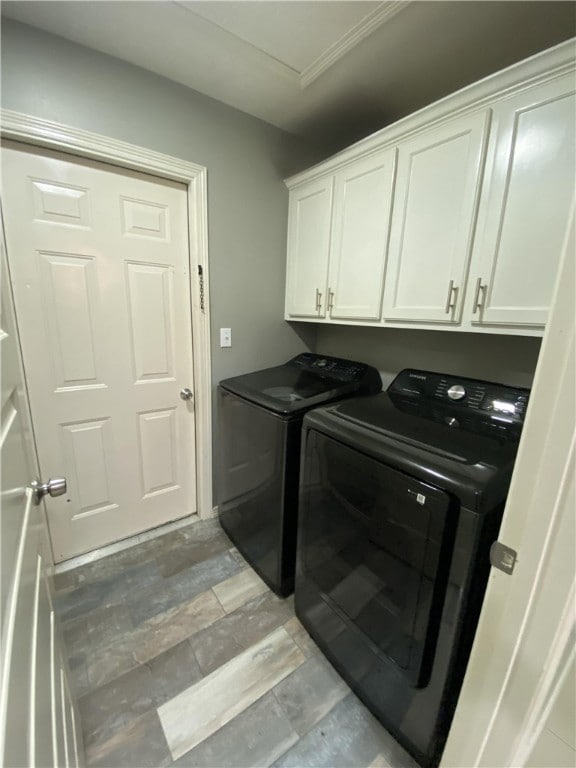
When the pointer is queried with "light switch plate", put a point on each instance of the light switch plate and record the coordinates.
(225, 337)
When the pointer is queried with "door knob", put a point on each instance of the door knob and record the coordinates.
(54, 487)
(186, 394)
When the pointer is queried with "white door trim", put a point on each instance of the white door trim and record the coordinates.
(64, 138)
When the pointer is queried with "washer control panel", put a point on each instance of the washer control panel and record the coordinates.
(345, 370)
(456, 392)
(339, 369)
(496, 401)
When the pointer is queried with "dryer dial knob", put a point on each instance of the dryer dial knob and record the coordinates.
(456, 392)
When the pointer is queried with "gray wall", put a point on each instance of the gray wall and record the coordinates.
(247, 160)
(49, 77)
(504, 359)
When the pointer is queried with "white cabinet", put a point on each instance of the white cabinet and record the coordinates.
(437, 187)
(309, 219)
(527, 197)
(362, 204)
(452, 218)
(337, 238)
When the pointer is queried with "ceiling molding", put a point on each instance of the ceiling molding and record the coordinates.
(222, 36)
(382, 14)
(344, 100)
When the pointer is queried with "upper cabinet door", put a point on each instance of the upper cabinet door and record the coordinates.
(526, 203)
(309, 220)
(360, 229)
(437, 187)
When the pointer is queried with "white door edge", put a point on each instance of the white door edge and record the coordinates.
(554, 678)
(45, 133)
(519, 653)
(9, 621)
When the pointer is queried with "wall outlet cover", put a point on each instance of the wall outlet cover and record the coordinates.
(225, 337)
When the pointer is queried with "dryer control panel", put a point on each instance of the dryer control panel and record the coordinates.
(472, 395)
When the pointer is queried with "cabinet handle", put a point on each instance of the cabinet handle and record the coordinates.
(479, 302)
(452, 291)
(330, 300)
(318, 301)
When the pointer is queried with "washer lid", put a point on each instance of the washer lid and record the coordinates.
(304, 382)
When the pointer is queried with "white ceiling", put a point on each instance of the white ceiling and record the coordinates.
(323, 69)
(294, 33)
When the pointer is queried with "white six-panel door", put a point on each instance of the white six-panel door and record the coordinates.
(38, 725)
(99, 261)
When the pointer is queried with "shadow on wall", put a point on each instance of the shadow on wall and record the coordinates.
(307, 333)
(504, 359)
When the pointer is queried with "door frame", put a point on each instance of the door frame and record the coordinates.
(28, 129)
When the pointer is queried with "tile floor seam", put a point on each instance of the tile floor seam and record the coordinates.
(273, 692)
(302, 732)
(219, 602)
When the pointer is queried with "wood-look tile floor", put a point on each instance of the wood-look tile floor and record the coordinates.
(181, 656)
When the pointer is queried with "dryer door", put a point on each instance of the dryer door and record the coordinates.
(376, 543)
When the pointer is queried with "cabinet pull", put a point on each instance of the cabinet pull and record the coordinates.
(318, 301)
(479, 302)
(452, 292)
(330, 300)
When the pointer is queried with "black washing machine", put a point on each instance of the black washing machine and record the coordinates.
(401, 497)
(260, 419)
